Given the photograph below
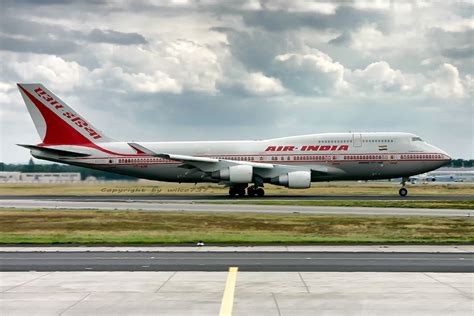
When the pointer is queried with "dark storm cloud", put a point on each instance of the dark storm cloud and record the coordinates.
(51, 2)
(344, 39)
(256, 49)
(459, 52)
(42, 46)
(344, 18)
(21, 35)
(465, 10)
(455, 45)
(114, 37)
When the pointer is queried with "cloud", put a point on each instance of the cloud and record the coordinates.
(114, 37)
(446, 83)
(215, 70)
(116, 79)
(381, 77)
(344, 39)
(452, 46)
(466, 51)
(259, 84)
(343, 18)
(21, 35)
(39, 46)
(51, 70)
(312, 72)
(252, 84)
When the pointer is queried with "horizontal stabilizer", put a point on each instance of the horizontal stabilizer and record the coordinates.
(52, 151)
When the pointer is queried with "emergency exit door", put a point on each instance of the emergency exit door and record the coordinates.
(357, 140)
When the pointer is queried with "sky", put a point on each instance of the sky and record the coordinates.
(216, 70)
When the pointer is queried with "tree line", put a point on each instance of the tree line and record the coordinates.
(85, 172)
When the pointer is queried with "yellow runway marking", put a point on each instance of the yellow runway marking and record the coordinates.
(228, 298)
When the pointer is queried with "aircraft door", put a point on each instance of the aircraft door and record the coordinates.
(357, 140)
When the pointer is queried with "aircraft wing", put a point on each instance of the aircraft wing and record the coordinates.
(212, 164)
(203, 163)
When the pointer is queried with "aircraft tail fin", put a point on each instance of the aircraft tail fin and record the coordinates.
(55, 121)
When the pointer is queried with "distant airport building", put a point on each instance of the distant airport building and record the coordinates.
(449, 175)
(39, 177)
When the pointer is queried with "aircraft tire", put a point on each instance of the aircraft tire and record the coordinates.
(251, 191)
(260, 192)
(403, 192)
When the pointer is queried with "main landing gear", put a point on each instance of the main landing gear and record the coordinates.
(403, 191)
(254, 191)
(241, 190)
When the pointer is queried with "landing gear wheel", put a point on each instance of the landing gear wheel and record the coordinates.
(403, 192)
(251, 191)
(260, 192)
(232, 192)
(241, 192)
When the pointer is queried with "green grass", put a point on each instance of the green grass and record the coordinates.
(137, 227)
(364, 203)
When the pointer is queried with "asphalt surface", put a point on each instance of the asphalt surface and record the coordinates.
(204, 198)
(246, 261)
(184, 206)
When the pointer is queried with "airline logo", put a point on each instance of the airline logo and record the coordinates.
(309, 148)
(68, 114)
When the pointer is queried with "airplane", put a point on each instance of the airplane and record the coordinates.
(244, 166)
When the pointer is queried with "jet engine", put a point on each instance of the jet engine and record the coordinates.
(294, 180)
(235, 174)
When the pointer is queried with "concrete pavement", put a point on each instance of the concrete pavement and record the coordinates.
(270, 293)
(238, 208)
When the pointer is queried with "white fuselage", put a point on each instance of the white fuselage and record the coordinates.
(343, 156)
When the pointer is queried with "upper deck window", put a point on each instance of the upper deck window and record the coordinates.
(416, 139)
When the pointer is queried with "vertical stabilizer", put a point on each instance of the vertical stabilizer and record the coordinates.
(55, 121)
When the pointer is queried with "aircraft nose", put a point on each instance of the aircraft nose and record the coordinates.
(444, 156)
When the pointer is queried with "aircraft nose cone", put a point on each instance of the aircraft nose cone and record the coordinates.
(445, 157)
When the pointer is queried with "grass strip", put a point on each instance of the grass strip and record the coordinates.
(469, 205)
(139, 227)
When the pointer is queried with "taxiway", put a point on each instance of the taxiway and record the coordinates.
(190, 206)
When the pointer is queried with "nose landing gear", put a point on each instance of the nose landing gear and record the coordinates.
(403, 191)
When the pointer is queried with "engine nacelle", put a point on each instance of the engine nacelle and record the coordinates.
(294, 180)
(235, 174)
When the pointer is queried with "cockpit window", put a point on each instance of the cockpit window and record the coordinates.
(416, 139)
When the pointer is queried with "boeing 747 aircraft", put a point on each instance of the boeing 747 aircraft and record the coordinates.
(244, 166)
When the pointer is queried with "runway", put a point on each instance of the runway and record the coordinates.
(246, 261)
(190, 206)
(221, 198)
(255, 293)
